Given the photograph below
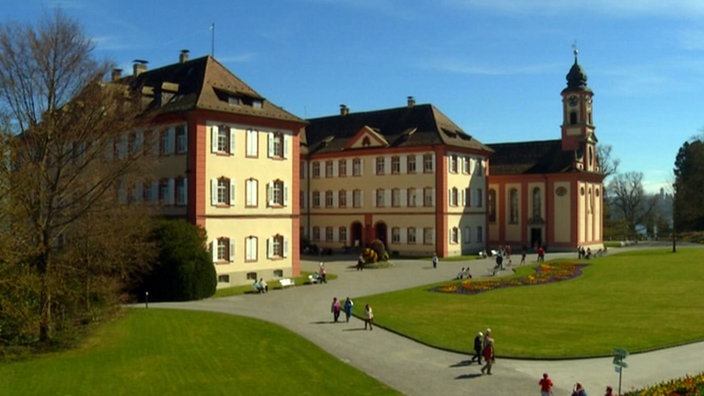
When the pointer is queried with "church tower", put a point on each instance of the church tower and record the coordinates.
(577, 125)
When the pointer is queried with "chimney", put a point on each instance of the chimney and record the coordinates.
(116, 74)
(183, 57)
(344, 110)
(139, 67)
(411, 101)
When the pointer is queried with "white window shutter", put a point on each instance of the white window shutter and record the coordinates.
(387, 166)
(361, 199)
(232, 192)
(213, 192)
(402, 234)
(387, 197)
(403, 198)
(214, 139)
(269, 247)
(154, 188)
(349, 198)
(185, 137)
(185, 191)
(232, 140)
(170, 191)
(171, 140)
(286, 143)
(270, 144)
(402, 165)
(432, 198)
(449, 197)
(214, 250)
(138, 142)
(269, 194)
(285, 192)
(232, 250)
(285, 247)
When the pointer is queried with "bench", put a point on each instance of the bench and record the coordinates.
(286, 282)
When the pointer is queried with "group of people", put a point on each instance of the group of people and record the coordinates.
(484, 348)
(337, 307)
(464, 273)
(546, 385)
(260, 286)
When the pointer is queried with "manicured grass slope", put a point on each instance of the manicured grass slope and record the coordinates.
(168, 352)
(639, 300)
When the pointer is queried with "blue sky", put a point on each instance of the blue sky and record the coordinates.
(495, 67)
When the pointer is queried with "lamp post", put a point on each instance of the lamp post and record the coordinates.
(146, 299)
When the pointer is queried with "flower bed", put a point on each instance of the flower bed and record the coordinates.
(544, 273)
(687, 386)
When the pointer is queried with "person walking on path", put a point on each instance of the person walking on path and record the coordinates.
(322, 273)
(488, 354)
(435, 260)
(579, 390)
(368, 317)
(335, 309)
(360, 263)
(478, 341)
(348, 308)
(609, 391)
(523, 255)
(545, 385)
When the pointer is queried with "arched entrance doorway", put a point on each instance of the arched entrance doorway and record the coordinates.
(357, 235)
(381, 233)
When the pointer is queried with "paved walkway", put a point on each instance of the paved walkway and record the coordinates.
(416, 369)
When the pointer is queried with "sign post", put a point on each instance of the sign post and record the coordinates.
(619, 355)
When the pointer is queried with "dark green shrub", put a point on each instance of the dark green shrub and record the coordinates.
(183, 269)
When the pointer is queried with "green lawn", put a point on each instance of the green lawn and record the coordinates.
(638, 300)
(169, 352)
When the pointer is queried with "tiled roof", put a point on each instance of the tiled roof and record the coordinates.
(417, 125)
(532, 157)
(202, 84)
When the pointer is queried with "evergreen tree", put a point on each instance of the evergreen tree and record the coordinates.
(689, 186)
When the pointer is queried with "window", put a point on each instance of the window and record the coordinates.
(277, 248)
(395, 197)
(467, 235)
(316, 199)
(250, 248)
(166, 191)
(411, 163)
(380, 198)
(150, 192)
(302, 170)
(278, 193)
(252, 143)
(411, 195)
(252, 186)
(513, 208)
(411, 235)
(329, 236)
(453, 163)
(454, 197)
(225, 251)
(465, 165)
(316, 233)
(223, 140)
(395, 235)
(181, 191)
(224, 278)
(277, 145)
(480, 234)
(356, 167)
(573, 118)
(342, 199)
(480, 197)
(428, 236)
(395, 165)
(302, 199)
(328, 199)
(467, 197)
(222, 192)
(537, 204)
(428, 163)
(316, 169)
(166, 141)
(380, 164)
(181, 139)
(342, 235)
(328, 169)
(427, 197)
(357, 198)
(491, 200)
(454, 235)
(479, 168)
(342, 168)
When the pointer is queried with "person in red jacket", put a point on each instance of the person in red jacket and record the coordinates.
(545, 385)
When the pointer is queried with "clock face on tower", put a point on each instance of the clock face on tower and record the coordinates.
(573, 100)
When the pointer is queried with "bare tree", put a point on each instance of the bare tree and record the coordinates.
(608, 164)
(67, 159)
(628, 197)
